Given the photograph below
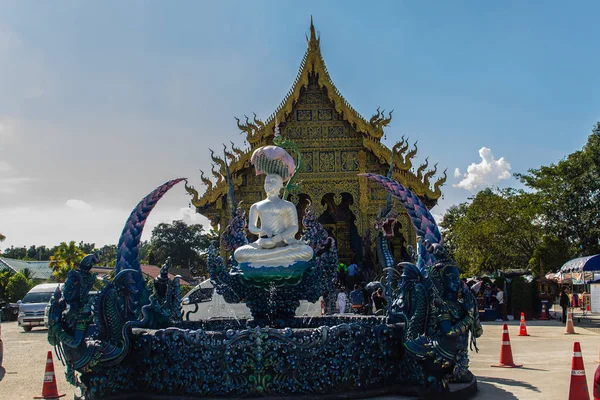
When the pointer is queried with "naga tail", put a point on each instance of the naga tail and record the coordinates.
(421, 218)
(129, 243)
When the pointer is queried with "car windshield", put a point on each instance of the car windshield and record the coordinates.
(37, 297)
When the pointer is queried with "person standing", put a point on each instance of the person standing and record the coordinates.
(352, 274)
(358, 300)
(379, 301)
(564, 303)
(342, 299)
(501, 305)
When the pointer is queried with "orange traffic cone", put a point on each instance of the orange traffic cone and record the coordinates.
(570, 327)
(578, 389)
(544, 314)
(523, 326)
(506, 360)
(49, 390)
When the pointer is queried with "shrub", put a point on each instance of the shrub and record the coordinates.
(17, 287)
(521, 297)
(185, 289)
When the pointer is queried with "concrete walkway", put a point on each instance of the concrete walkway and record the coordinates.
(546, 356)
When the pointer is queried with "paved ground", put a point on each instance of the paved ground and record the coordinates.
(546, 356)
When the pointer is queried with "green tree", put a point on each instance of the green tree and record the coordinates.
(447, 227)
(87, 248)
(182, 243)
(66, 258)
(498, 230)
(17, 287)
(2, 237)
(108, 257)
(17, 253)
(40, 253)
(569, 194)
(144, 253)
(4, 277)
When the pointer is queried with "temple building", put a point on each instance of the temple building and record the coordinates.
(335, 143)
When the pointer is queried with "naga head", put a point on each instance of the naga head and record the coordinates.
(88, 261)
(447, 278)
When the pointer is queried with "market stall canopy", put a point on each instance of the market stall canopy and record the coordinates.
(582, 264)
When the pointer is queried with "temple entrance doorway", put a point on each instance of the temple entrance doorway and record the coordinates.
(339, 221)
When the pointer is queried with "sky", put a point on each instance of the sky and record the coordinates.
(101, 102)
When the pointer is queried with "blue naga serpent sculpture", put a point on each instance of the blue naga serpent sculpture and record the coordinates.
(424, 340)
(439, 317)
(93, 333)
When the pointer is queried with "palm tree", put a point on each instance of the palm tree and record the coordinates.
(66, 258)
(27, 273)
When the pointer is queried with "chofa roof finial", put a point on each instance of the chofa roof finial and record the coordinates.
(277, 132)
(313, 42)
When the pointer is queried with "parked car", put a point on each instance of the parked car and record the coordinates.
(33, 306)
(8, 311)
(202, 292)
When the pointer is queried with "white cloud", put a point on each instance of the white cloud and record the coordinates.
(78, 205)
(456, 173)
(486, 173)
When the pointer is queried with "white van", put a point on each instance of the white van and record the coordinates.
(33, 305)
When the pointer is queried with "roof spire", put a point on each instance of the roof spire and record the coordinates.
(313, 42)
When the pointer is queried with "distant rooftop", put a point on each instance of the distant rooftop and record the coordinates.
(40, 269)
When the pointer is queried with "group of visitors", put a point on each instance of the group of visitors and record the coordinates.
(362, 300)
(348, 275)
(575, 300)
(494, 299)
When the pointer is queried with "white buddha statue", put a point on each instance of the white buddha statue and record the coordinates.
(273, 219)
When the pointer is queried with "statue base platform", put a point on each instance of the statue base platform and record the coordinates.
(341, 358)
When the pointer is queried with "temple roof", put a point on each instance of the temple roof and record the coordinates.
(259, 133)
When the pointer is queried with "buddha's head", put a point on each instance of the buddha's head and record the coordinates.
(273, 184)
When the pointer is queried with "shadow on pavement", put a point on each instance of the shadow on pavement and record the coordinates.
(489, 391)
(2, 372)
(507, 382)
(35, 332)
